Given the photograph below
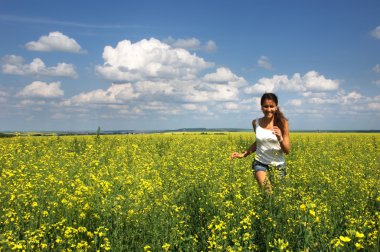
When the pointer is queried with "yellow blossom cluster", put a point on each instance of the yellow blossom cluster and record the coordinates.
(182, 192)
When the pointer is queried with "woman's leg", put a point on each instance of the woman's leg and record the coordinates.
(263, 180)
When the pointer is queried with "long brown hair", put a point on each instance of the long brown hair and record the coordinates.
(279, 118)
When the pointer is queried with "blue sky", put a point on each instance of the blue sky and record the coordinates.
(77, 65)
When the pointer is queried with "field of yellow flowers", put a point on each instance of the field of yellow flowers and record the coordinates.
(182, 192)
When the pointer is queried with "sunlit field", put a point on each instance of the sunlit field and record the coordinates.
(182, 192)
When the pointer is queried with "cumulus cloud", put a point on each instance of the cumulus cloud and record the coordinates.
(165, 76)
(171, 97)
(188, 44)
(32, 102)
(192, 44)
(194, 107)
(264, 63)
(12, 64)
(149, 59)
(351, 97)
(55, 41)
(231, 106)
(311, 81)
(376, 68)
(158, 88)
(374, 106)
(159, 107)
(3, 96)
(295, 102)
(42, 90)
(343, 99)
(211, 92)
(376, 32)
(210, 46)
(116, 93)
(323, 100)
(187, 91)
(225, 75)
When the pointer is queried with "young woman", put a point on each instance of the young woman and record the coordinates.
(272, 141)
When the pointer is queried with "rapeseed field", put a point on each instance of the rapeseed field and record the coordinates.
(182, 192)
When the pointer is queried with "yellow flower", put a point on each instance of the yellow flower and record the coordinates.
(82, 229)
(312, 213)
(359, 235)
(358, 246)
(147, 248)
(303, 207)
(345, 239)
(166, 247)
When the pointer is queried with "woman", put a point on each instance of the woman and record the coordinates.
(272, 141)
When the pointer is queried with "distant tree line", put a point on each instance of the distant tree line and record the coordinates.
(2, 135)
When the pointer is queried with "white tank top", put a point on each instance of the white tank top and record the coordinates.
(268, 149)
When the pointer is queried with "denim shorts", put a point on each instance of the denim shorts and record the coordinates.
(279, 169)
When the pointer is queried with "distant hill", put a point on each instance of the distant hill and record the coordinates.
(125, 132)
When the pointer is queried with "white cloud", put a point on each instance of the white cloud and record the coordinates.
(3, 96)
(313, 94)
(321, 101)
(264, 63)
(295, 102)
(188, 44)
(49, 21)
(32, 102)
(163, 78)
(231, 106)
(226, 76)
(376, 68)
(149, 60)
(188, 91)
(351, 97)
(311, 81)
(374, 106)
(192, 44)
(211, 92)
(116, 93)
(61, 116)
(3, 93)
(267, 84)
(55, 41)
(12, 64)
(316, 82)
(210, 46)
(42, 89)
(160, 108)
(377, 83)
(194, 107)
(323, 98)
(376, 32)
(156, 88)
